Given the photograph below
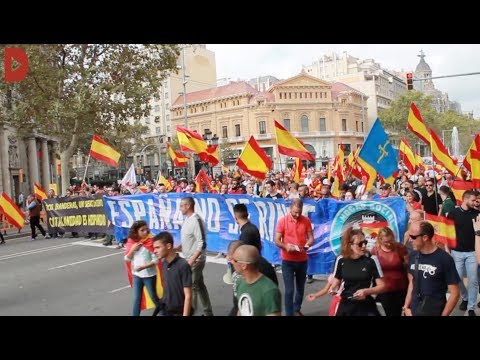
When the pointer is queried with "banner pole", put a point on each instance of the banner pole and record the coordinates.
(86, 168)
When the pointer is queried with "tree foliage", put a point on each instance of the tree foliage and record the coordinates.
(75, 90)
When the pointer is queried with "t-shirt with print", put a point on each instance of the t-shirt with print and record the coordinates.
(261, 298)
(357, 273)
(436, 271)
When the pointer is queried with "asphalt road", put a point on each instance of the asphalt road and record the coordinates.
(79, 277)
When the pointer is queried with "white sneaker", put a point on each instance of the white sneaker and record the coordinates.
(47, 236)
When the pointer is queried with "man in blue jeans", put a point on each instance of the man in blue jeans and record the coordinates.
(294, 236)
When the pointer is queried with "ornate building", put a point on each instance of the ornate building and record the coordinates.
(320, 113)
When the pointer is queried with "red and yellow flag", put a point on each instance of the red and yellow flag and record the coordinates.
(474, 146)
(475, 168)
(419, 162)
(372, 229)
(225, 169)
(146, 302)
(254, 160)
(12, 213)
(459, 187)
(178, 159)
(440, 154)
(39, 192)
(297, 170)
(416, 125)
(100, 150)
(444, 229)
(192, 141)
(162, 180)
(290, 145)
(407, 155)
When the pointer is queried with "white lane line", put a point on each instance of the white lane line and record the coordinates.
(34, 251)
(95, 244)
(84, 261)
(120, 289)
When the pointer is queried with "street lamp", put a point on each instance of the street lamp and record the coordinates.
(184, 83)
(210, 140)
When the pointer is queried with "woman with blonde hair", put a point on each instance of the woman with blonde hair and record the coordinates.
(361, 274)
(393, 258)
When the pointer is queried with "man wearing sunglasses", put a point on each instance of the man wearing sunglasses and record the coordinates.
(431, 272)
(432, 202)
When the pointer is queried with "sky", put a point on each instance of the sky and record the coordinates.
(246, 61)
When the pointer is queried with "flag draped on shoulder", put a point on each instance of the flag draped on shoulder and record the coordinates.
(254, 160)
(440, 154)
(377, 154)
(290, 145)
(12, 213)
(100, 150)
(39, 192)
(192, 141)
(407, 156)
(416, 125)
(146, 301)
(475, 146)
(179, 160)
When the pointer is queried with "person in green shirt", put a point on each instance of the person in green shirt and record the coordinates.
(449, 201)
(257, 295)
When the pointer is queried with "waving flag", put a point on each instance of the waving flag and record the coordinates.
(407, 155)
(297, 170)
(193, 142)
(11, 211)
(444, 229)
(475, 146)
(416, 125)
(178, 159)
(290, 145)
(130, 178)
(440, 154)
(254, 160)
(459, 187)
(100, 150)
(475, 166)
(39, 192)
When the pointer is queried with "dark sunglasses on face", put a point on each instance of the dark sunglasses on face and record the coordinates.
(361, 243)
(414, 237)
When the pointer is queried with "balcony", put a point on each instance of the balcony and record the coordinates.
(312, 134)
(351, 133)
(262, 136)
(236, 139)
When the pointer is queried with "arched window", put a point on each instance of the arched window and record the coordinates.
(304, 123)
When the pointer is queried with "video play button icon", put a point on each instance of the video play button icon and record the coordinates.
(16, 64)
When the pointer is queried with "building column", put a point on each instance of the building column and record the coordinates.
(6, 183)
(45, 165)
(32, 161)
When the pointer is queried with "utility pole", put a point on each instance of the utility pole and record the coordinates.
(191, 163)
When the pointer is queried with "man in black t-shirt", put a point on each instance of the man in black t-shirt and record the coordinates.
(435, 275)
(249, 233)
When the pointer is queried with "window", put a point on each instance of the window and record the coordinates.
(286, 124)
(281, 95)
(356, 126)
(304, 123)
(168, 128)
(224, 132)
(362, 127)
(262, 127)
(147, 120)
(344, 124)
(323, 126)
(237, 130)
(347, 149)
(158, 130)
(157, 108)
(167, 118)
(166, 95)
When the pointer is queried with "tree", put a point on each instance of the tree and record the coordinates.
(73, 91)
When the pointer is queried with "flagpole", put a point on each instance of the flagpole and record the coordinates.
(86, 168)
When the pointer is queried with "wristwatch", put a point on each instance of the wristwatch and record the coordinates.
(477, 232)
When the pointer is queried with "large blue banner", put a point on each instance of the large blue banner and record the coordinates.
(329, 218)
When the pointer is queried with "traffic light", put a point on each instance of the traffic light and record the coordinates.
(410, 81)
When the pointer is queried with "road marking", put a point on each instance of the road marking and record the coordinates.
(84, 261)
(212, 259)
(119, 289)
(93, 243)
(34, 251)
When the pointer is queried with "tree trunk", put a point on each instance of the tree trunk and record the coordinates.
(65, 161)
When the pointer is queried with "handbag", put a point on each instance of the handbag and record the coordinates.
(427, 305)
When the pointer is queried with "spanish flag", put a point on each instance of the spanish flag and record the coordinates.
(146, 301)
(254, 160)
(297, 170)
(459, 187)
(290, 145)
(192, 141)
(225, 169)
(419, 162)
(440, 154)
(444, 230)
(162, 180)
(407, 155)
(475, 146)
(178, 159)
(475, 166)
(101, 151)
(39, 192)
(11, 211)
(416, 125)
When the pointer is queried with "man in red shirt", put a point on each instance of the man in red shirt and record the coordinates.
(294, 236)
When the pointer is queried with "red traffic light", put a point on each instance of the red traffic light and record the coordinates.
(409, 75)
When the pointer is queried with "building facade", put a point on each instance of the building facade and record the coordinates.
(320, 113)
(380, 85)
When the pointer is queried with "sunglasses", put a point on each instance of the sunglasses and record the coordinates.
(429, 185)
(361, 243)
(414, 237)
(241, 261)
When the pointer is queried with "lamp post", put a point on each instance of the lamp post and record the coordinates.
(210, 140)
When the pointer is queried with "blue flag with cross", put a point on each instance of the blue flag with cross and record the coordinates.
(378, 151)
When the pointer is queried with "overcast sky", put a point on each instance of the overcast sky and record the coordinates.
(247, 61)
